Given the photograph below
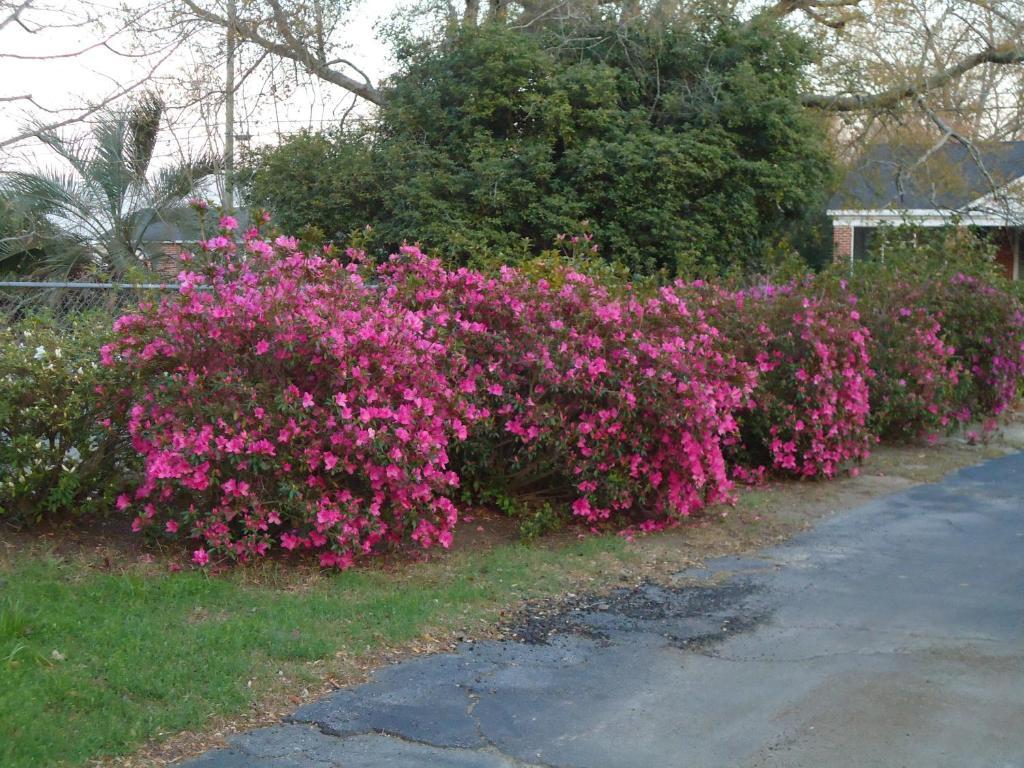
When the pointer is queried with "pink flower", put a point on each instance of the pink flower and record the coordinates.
(200, 557)
(262, 346)
(219, 243)
(228, 223)
(123, 502)
(341, 561)
(171, 527)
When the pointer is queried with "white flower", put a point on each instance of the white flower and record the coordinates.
(40, 353)
(57, 353)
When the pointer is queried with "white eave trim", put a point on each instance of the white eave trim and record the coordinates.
(1008, 202)
(921, 217)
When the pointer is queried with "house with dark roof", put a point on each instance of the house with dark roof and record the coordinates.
(951, 184)
(165, 237)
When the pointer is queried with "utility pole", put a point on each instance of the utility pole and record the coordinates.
(229, 115)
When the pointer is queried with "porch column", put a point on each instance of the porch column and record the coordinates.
(1015, 246)
(842, 243)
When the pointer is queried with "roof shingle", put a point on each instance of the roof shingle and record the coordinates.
(891, 177)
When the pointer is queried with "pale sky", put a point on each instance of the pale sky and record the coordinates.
(73, 81)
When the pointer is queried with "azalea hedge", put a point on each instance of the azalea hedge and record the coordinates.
(291, 399)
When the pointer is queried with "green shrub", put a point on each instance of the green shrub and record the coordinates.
(984, 323)
(685, 145)
(55, 457)
(947, 276)
(322, 180)
(923, 253)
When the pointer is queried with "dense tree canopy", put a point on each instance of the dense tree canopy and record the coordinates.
(681, 144)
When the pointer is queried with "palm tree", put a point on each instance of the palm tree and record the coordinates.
(102, 205)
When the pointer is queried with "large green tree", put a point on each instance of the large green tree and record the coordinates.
(322, 179)
(681, 143)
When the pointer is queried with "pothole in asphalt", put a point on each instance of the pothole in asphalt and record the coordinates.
(688, 617)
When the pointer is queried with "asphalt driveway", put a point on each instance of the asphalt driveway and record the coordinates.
(890, 635)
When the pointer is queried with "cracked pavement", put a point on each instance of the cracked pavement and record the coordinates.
(889, 635)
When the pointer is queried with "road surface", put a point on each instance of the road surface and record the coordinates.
(890, 635)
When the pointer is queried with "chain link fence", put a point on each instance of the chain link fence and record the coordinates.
(67, 300)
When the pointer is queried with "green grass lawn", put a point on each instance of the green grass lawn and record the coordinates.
(146, 652)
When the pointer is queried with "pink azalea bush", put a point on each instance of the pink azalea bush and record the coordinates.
(809, 415)
(298, 401)
(914, 389)
(984, 324)
(615, 404)
(288, 407)
(812, 401)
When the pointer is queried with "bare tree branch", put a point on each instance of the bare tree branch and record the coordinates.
(1007, 53)
(36, 131)
(830, 13)
(15, 14)
(786, 7)
(994, 187)
(291, 48)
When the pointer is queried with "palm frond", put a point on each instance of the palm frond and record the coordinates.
(71, 149)
(173, 184)
(64, 257)
(108, 169)
(143, 128)
(18, 249)
(32, 245)
(63, 198)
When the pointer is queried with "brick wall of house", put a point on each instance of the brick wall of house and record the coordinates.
(842, 242)
(169, 266)
(1005, 256)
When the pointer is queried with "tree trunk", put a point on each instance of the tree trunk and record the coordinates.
(498, 11)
